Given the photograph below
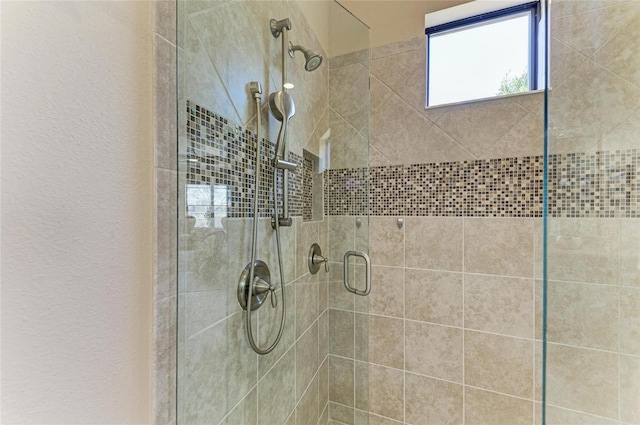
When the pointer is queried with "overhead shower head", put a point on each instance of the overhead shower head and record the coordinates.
(312, 60)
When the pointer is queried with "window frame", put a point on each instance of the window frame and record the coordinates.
(535, 16)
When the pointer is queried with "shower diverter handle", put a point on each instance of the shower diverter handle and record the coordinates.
(367, 262)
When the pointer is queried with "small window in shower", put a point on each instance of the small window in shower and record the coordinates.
(489, 54)
(207, 204)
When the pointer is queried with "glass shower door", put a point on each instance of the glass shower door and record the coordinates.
(593, 217)
(223, 46)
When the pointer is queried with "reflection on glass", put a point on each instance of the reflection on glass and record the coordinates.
(207, 204)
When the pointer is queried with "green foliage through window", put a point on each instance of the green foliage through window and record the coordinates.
(514, 83)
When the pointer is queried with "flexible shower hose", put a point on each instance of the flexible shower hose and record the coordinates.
(254, 241)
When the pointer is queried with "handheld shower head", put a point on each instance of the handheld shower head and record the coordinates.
(312, 60)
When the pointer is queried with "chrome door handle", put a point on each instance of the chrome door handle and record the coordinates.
(367, 262)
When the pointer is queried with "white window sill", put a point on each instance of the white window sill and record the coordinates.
(484, 99)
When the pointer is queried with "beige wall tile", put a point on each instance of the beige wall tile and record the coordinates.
(339, 297)
(630, 389)
(341, 238)
(219, 365)
(405, 74)
(386, 392)
(474, 125)
(306, 360)
(280, 380)
(434, 350)
(434, 243)
(583, 314)
(539, 307)
(499, 246)
(362, 417)
(620, 54)
(306, 303)
(499, 304)
(341, 380)
(307, 410)
(499, 363)
(362, 385)
(323, 335)
(583, 250)
(629, 324)
(398, 47)
(525, 138)
(431, 401)
(433, 296)
(404, 136)
(361, 349)
(387, 291)
(348, 87)
(380, 420)
(348, 147)
(570, 28)
(244, 413)
(583, 380)
(484, 408)
(559, 416)
(323, 386)
(629, 250)
(386, 241)
(341, 333)
(386, 341)
(340, 414)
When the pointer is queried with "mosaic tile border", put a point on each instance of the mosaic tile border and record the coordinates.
(222, 153)
(590, 184)
(597, 184)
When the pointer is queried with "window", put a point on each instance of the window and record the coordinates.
(485, 55)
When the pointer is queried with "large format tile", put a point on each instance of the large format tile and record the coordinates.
(583, 250)
(583, 380)
(434, 350)
(432, 402)
(386, 341)
(499, 363)
(499, 246)
(583, 314)
(306, 360)
(629, 324)
(280, 380)
(387, 293)
(341, 380)
(434, 243)
(386, 242)
(630, 389)
(487, 408)
(386, 392)
(434, 296)
(499, 304)
(341, 336)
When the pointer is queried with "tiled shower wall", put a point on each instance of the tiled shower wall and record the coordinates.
(455, 314)
(222, 47)
(593, 360)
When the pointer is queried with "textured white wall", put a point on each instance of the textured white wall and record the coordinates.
(77, 195)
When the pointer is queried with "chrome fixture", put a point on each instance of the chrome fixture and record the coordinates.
(367, 262)
(312, 60)
(255, 284)
(316, 258)
(400, 223)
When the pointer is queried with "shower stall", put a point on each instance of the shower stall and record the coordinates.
(346, 256)
(262, 134)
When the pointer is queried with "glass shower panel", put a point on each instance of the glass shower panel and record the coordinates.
(593, 216)
(347, 209)
(222, 47)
